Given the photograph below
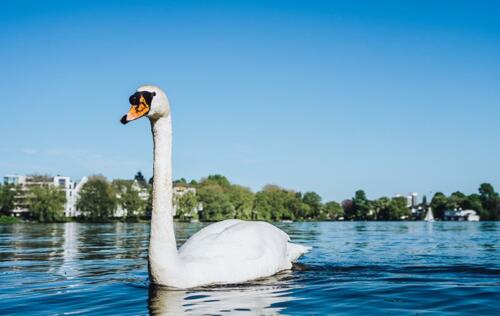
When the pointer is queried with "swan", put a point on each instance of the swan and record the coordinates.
(228, 252)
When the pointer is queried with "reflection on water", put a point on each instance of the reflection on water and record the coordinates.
(354, 268)
(262, 297)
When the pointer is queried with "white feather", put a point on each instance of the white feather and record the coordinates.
(235, 251)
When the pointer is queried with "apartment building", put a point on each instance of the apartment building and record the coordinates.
(70, 188)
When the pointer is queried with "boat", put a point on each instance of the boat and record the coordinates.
(429, 217)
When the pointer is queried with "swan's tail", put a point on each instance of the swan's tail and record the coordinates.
(294, 251)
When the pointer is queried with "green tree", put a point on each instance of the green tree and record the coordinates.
(216, 179)
(439, 203)
(333, 210)
(46, 204)
(127, 196)
(383, 209)
(489, 199)
(295, 208)
(275, 203)
(97, 200)
(193, 183)
(399, 209)
(456, 200)
(216, 203)
(361, 206)
(392, 209)
(242, 199)
(314, 201)
(186, 206)
(473, 202)
(7, 198)
(180, 183)
(222, 200)
(262, 206)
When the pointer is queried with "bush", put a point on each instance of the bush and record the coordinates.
(8, 219)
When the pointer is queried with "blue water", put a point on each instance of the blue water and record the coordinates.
(354, 268)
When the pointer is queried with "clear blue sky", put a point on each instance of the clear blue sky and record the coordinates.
(330, 96)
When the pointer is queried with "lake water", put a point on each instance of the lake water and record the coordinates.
(354, 268)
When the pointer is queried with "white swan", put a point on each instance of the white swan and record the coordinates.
(231, 251)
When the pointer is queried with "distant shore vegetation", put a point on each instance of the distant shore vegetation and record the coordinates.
(215, 198)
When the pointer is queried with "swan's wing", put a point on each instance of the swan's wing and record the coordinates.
(236, 251)
(236, 241)
(211, 229)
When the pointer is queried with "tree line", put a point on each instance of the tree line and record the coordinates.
(486, 202)
(100, 199)
(223, 200)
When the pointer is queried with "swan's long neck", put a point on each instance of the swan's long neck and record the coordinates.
(163, 255)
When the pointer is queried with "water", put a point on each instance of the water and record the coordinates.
(354, 268)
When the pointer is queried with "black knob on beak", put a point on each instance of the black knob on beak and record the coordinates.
(123, 120)
(134, 98)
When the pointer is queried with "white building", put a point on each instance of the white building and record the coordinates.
(414, 199)
(143, 193)
(411, 199)
(71, 190)
(74, 194)
(461, 215)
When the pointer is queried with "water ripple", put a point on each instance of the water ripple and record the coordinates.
(354, 268)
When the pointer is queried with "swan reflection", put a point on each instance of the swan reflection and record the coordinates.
(264, 297)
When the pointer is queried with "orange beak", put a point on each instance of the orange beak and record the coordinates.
(136, 111)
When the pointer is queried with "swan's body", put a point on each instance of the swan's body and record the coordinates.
(235, 251)
(231, 251)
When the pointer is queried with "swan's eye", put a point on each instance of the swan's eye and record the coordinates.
(132, 99)
(140, 105)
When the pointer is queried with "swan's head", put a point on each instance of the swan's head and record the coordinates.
(149, 101)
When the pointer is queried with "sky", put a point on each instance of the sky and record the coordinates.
(325, 96)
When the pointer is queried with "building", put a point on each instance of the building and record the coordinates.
(14, 179)
(461, 215)
(72, 190)
(411, 199)
(418, 210)
(414, 199)
(25, 182)
(142, 192)
(179, 191)
(182, 190)
(74, 194)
